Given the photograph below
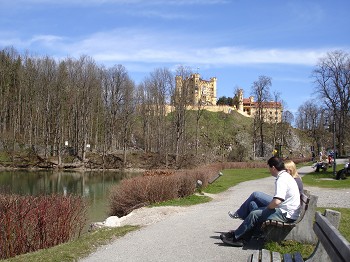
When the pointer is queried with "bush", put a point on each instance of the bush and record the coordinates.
(162, 185)
(137, 192)
(157, 186)
(30, 223)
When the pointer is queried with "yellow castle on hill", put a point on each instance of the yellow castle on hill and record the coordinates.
(203, 92)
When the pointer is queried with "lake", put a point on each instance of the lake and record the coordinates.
(94, 185)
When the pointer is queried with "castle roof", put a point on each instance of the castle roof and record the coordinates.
(271, 104)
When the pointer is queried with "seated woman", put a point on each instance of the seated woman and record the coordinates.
(260, 199)
(343, 173)
(320, 165)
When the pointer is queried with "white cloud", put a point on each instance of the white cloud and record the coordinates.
(45, 39)
(147, 47)
(144, 46)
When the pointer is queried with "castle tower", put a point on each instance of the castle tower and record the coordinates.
(213, 98)
(240, 100)
(202, 91)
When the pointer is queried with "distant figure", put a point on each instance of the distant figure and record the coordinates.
(320, 165)
(321, 156)
(313, 156)
(330, 159)
(343, 173)
(274, 152)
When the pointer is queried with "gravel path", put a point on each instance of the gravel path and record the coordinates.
(192, 233)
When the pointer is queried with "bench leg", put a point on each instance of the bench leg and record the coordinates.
(276, 234)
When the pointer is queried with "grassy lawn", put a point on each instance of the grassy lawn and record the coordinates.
(233, 177)
(73, 250)
(186, 201)
(325, 179)
(344, 221)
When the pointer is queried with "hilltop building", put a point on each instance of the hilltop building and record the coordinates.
(203, 92)
(272, 110)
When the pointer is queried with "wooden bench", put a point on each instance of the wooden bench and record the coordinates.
(298, 230)
(331, 246)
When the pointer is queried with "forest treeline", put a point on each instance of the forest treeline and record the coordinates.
(49, 106)
(75, 106)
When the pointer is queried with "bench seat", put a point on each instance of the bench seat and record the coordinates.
(331, 246)
(300, 230)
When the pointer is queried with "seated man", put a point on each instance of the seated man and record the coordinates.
(320, 165)
(260, 199)
(347, 167)
(284, 207)
(343, 173)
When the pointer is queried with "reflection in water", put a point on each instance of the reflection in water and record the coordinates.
(93, 185)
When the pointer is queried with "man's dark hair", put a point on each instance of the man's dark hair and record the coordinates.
(276, 162)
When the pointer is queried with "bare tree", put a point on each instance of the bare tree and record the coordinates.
(332, 81)
(288, 117)
(127, 111)
(114, 80)
(181, 99)
(276, 123)
(156, 90)
(310, 118)
(12, 91)
(261, 92)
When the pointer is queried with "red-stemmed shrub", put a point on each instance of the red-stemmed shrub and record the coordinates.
(156, 186)
(161, 185)
(30, 223)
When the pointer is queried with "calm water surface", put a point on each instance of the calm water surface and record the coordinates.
(93, 185)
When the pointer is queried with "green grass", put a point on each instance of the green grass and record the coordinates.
(290, 247)
(325, 180)
(344, 228)
(73, 250)
(186, 201)
(233, 177)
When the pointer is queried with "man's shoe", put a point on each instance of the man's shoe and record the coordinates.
(233, 215)
(230, 234)
(231, 241)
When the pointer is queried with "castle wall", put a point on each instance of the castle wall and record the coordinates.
(203, 93)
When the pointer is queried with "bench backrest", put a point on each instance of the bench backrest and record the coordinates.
(304, 204)
(337, 247)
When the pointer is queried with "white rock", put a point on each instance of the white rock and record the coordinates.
(112, 221)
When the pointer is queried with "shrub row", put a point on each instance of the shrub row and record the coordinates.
(161, 185)
(30, 223)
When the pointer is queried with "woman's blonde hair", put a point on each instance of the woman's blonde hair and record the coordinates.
(291, 168)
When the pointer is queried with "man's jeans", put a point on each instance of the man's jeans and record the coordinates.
(255, 218)
(254, 201)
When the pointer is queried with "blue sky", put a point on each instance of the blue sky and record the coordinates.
(236, 41)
